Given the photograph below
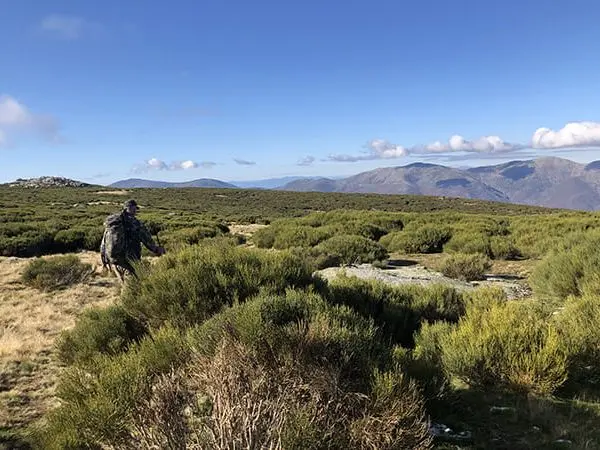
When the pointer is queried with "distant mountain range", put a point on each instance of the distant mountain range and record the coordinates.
(270, 183)
(548, 181)
(200, 183)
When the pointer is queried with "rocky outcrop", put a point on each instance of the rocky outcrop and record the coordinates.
(46, 182)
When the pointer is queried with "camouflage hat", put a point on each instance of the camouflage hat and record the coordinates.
(131, 202)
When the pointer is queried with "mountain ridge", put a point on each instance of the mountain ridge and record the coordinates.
(132, 183)
(546, 181)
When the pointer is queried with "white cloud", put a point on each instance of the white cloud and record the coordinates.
(485, 144)
(17, 119)
(382, 149)
(243, 162)
(376, 149)
(188, 165)
(306, 161)
(385, 149)
(574, 134)
(157, 164)
(68, 27)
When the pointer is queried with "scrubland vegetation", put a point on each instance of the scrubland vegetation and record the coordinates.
(218, 345)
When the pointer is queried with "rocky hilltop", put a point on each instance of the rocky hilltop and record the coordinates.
(46, 182)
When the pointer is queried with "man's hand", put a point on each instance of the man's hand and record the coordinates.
(160, 251)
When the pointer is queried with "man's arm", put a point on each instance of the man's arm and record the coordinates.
(146, 239)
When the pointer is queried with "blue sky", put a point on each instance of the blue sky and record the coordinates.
(237, 90)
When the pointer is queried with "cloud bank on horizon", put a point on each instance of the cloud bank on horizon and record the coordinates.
(572, 135)
(17, 120)
(157, 164)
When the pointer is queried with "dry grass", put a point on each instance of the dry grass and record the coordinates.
(30, 321)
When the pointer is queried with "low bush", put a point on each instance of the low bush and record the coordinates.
(469, 243)
(565, 271)
(352, 249)
(100, 403)
(426, 364)
(578, 325)
(99, 330)
(300, 236)
(70, 240)
(189, 286)
(510, 345)
(48, 274)
(287, 370)
(427, 239)
(504, 248)
(398, 310)
(466, 267)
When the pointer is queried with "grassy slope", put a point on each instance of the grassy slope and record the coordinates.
(30, 321)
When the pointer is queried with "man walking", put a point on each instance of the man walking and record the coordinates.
(122, 241)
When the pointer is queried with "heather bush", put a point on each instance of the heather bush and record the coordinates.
(188, 287)
(300, 236)
(466, 267)
(101, 402)
(578, 326)
(510, 345)
(504, 248)
(353, 249)
(427, 239)
(565, 271)
(425, 364)
(398, 310)
(99, 330)
(58, 272)
(469, 243)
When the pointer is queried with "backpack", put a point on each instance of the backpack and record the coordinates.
(114, 241)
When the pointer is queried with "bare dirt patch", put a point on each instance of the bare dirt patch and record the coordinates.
(30, 322)
(245, 229)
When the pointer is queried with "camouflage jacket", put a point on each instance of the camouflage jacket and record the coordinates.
(137, 234)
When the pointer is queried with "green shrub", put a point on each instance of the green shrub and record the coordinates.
(99, 330)
(504, 248)
(290, 368)
(311, 365)
(55, 273)
(579, 329)
(300, 236)
(427, 239)
(101, 402)
(564, 272)
(27, 244)
(469, 243)
(70, 240)
(398, 310)
(466, 267)
(265, 237)
(508, 345)
(426, 365)
(189, 286)
(353, 249)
